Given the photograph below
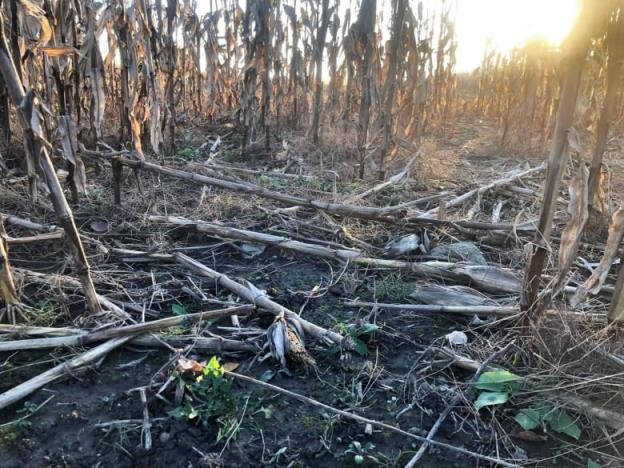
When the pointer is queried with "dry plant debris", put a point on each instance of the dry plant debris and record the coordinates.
(366, 242)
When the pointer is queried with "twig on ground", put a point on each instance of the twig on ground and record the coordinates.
(26, 388)
(372, 422)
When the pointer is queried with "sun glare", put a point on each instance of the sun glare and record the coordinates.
(508, 23)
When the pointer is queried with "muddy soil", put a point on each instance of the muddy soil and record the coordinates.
(275, 430)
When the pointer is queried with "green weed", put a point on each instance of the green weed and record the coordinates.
(209, 399)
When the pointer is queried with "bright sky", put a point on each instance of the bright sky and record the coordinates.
(508, 23)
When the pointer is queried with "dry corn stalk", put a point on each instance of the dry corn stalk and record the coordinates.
(31, 121)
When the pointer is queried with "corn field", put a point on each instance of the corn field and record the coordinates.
(328, 244)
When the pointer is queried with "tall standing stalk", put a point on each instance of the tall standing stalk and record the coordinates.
(31, 160)
(365, 32)
(172, 11)
(575, 50)
(615, 50)
(391, 79)
(318, 58)
(27, 107)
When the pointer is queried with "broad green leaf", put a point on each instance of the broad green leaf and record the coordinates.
(592, 464)
(562, 422)
(178, 309)
(497, 381)
(178, 412)
(490, 399)
(543, 410)
(360, 346)
(358, 459)
(528, 419)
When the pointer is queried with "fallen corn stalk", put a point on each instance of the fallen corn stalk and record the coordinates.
(499, 311)
(488, 278)
(335, 208)
(129, 330)
(26, 388)
(59, 234)
(215, 344)
(28, 224)
(470, 311)
(391, 214)
(25, 330)
(611, 418)
(257, 298)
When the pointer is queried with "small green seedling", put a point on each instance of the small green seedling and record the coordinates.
(356, 332)
(209, 398)
(187, 153)
(361, 453)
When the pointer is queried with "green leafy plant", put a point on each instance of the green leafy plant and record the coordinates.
(270, 182)
(187, 153)
(496, 387)
(361, 453)
(11, 431)
(178, 309)
(356, 332)
(209, 398)
(557, 420)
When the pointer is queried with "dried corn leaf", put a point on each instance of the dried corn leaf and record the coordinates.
(434, 294)
(578, 210)
(230, 366)
(58, 51)
(593, 284)
(69, 145)
(189, 365)
(36, 23)
(95, 71)
(490, 278)
(576, 142)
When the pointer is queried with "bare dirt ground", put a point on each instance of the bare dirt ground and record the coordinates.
(396, 380)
